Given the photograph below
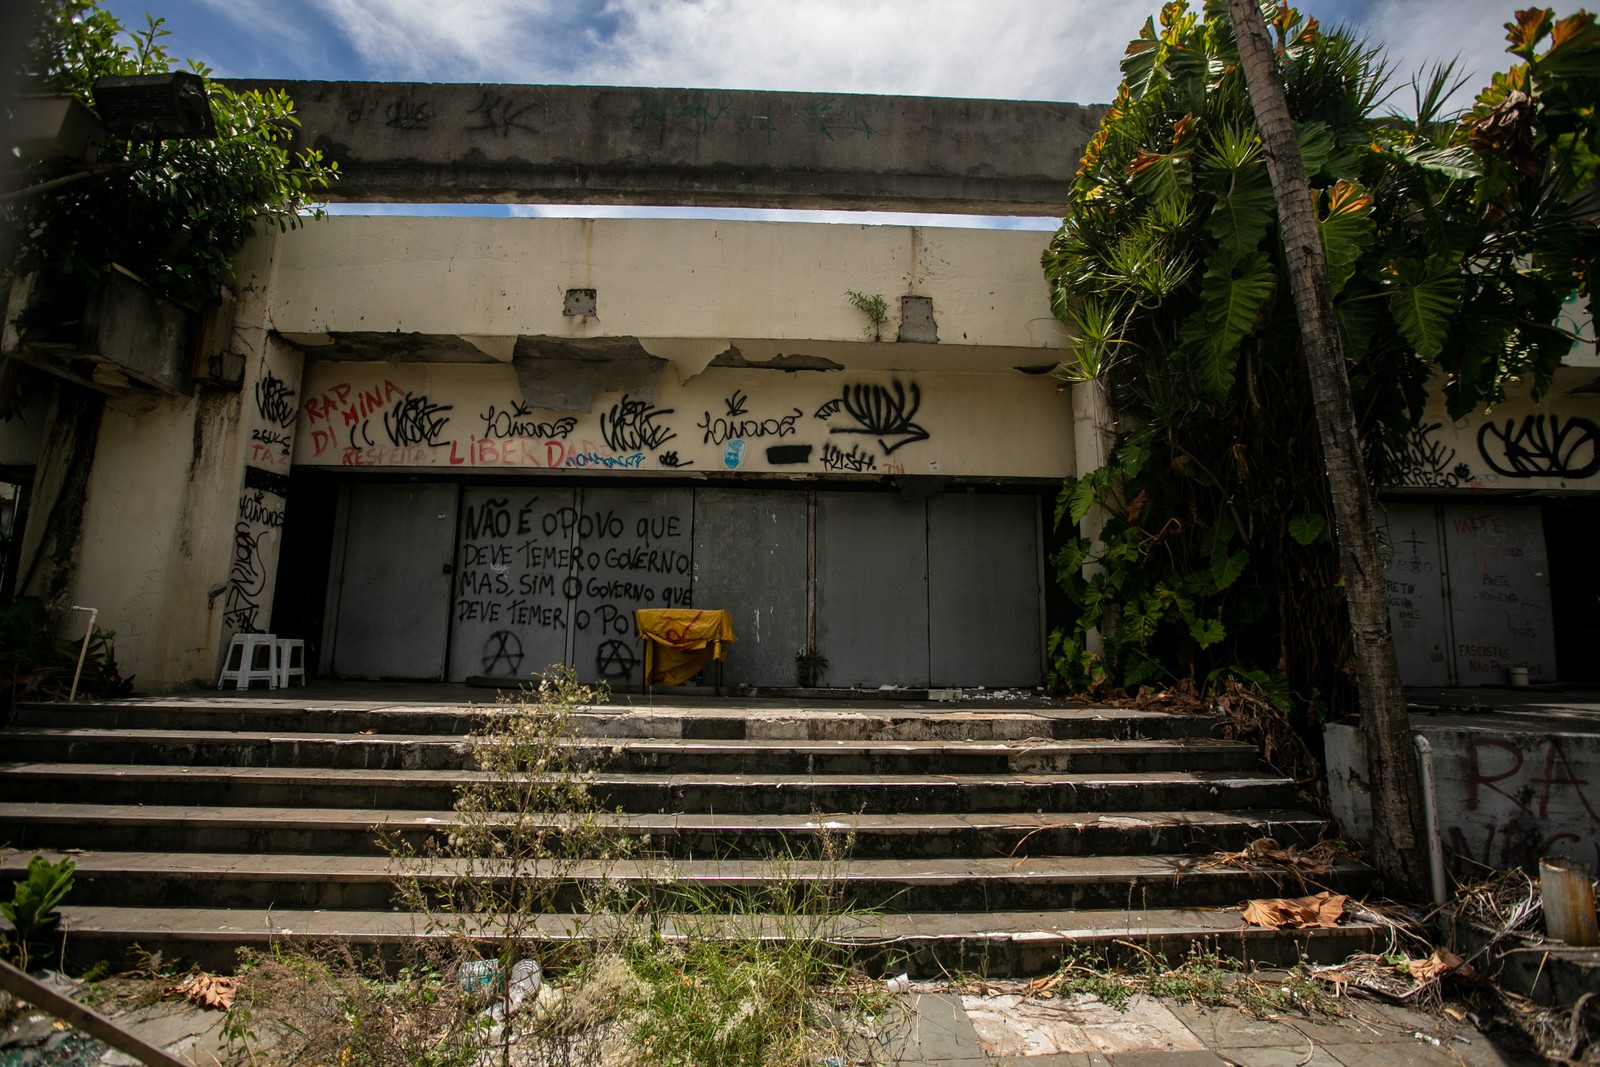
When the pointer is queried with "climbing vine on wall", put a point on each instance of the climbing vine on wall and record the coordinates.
(1452, 242)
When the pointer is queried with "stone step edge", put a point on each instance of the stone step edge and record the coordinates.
(726, 708)
(403, 777)
(982, 746)
(52, 813)
(261, 926)
(1027, 869)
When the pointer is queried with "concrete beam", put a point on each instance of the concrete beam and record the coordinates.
(420, 143)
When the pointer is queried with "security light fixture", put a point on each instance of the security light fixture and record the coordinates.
(155, 107)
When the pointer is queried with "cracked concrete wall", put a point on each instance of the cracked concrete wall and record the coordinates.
(564, 144)
(185, 505)
(660, 279)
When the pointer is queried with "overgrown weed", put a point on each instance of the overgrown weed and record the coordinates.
(632, 972)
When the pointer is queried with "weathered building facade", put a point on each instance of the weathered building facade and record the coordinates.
(460, 447)
(465, 447)
(1487, 533)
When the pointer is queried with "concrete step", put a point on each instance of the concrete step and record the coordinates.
(425, 752)
(925, 944)
(332, 831)
(971, 885)
(748, 721)
(739, 793)
(988, 836)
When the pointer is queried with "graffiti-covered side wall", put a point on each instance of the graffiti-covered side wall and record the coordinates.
(1520, 445)
(462, 418)
(1509, 789)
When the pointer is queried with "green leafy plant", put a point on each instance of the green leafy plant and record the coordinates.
(755, 974)
(1452, 241)
(32, 908)
(874, 307)
(172, 212)
(36, 665)
(809, 667)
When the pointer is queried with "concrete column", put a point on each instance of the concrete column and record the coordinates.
(1092, 438)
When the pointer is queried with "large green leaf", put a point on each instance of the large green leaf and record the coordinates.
(1316, 145)
(1207, 632)
(1235, 174)
(1162, 176)
(1454, 161)
(1346, 226)
(1424, 302)
(1234, 292)
(1244, 209)
(1082, 499)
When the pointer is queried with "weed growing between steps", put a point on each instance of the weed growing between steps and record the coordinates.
(602, 971)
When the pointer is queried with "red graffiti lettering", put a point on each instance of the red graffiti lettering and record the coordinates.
(1476, 777)
(1554, 756)
(321, 408)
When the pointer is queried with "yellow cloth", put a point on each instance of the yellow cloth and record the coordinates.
(678, 641)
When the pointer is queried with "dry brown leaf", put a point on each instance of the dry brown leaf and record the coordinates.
(1441, 962)
(1044, 988)
(206, 990)
(1324, 909)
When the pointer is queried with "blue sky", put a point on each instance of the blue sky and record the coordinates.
(1008, 49)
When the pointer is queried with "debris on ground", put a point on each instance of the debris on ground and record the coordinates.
(1299, 913)
(212, 991)
(1315, 862)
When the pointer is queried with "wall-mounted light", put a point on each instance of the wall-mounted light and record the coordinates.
(155, 107)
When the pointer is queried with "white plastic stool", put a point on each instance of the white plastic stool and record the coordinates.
(242, 665)
(291, 661)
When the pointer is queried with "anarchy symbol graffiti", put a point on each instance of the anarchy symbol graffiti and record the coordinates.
(616, 659)
(503, 648)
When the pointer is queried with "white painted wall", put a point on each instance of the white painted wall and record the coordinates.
(657, 278)
(1001, 425)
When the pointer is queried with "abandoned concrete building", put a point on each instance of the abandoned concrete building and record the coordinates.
(444, 448)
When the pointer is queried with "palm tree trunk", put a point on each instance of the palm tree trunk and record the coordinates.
(1399, 845)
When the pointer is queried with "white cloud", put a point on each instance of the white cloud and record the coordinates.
(1419, 33)
(1007, 49)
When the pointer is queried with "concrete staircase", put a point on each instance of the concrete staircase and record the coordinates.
(986, 837)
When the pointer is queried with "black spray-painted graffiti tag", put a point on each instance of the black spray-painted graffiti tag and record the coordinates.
(518, 421)
(1541, 447)
(247, 579)
(275, 401)
(720, 429)
(879, 412)
(1421, 461)
(631, 426)
(414, 420)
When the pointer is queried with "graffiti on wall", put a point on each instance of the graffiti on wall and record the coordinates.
(405, 421)
(517, 420)
(1525, 798)
(879, 412)
(635, 426)
(1421, 460)
(1541, 446)
(275, 401)
(736, 423)
(534, 566)
(415, 420)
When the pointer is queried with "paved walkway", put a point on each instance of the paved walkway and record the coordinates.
(950, 1030)
(943, 1029)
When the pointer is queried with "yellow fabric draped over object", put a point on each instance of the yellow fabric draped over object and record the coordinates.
(678, 641)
